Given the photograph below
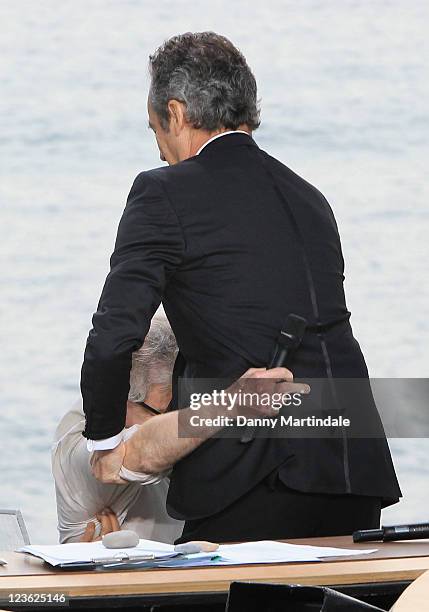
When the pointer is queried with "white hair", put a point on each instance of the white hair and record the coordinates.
(154, 361)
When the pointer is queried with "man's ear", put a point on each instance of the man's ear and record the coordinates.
(176, 110)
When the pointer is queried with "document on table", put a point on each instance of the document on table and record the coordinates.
(269, 551)
(163, 555)
(95, 552)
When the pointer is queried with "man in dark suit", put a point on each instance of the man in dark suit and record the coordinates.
(231, 241)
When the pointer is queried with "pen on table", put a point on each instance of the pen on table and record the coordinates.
(124, 558)
(107, 561)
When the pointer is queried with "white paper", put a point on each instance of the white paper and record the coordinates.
(247, 553)
(81, 552)
(268, 551)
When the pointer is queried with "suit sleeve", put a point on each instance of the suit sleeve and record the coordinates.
(149, 248)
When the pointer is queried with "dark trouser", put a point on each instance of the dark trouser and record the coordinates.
(272, 511)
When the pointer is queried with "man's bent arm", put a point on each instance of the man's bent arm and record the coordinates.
(156, 446)
(149, 248)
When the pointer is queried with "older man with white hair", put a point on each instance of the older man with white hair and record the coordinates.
(88, 508)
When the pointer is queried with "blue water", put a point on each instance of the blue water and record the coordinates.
(344, 94)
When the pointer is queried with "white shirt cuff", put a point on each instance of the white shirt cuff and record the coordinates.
(106, 444)
(113, 442)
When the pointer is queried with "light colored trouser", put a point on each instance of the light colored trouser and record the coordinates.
(80, 496)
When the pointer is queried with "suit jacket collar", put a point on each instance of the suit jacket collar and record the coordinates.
(227, 141)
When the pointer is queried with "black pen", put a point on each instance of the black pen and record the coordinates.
(419, 531)
(120, 559)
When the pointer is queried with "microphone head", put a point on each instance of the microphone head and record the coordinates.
(293, 331)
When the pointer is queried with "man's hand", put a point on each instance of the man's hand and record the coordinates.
(262, 382)
(106, 464)
(109, 522)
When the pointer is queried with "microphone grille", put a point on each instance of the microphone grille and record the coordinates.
(295, 326)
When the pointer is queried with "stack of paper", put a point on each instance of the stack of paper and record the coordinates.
(164, 555)
(95, 552)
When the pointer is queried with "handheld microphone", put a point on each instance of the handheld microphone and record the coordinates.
(289, 339)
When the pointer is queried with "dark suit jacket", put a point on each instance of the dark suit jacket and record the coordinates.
(210, 237)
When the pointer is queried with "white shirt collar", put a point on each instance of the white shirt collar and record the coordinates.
(218, 136)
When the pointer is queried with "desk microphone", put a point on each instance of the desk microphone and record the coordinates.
(289, 339)
(419, 531)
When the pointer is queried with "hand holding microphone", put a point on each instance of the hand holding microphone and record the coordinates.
(289, 339)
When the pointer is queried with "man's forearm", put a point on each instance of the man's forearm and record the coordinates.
(156, 446)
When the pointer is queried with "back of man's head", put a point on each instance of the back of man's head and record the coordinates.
(206, 72)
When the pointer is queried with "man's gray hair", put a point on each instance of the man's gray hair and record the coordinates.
(154, 361)
(210, 76)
